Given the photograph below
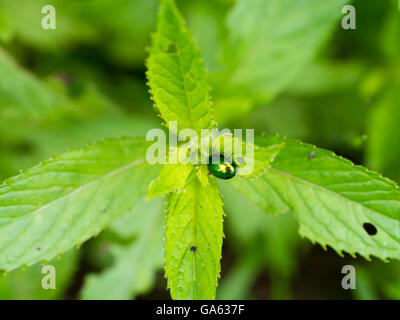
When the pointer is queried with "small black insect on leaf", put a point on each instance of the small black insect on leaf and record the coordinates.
(370, 228)
(193, 248)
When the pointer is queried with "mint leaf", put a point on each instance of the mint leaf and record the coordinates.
(194, 240)
(335, 202)
(67, 199)
(176, 74)
(172, 177)
(262, 160)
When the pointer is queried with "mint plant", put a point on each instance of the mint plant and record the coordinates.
(70, 198)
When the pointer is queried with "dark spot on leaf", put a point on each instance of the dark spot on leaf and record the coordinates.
(370, 228)
(172, 48)
(193, 249)
(38, 249)
(312, 155)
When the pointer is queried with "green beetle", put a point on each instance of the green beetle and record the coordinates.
(221, 168)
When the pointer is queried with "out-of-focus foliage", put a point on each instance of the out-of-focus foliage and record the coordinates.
(385, 114)
(305, 77)
(134, 264)
(260, 242)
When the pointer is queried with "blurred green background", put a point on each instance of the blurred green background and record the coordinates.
(292, 70)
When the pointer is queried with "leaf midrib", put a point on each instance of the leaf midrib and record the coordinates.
(194, 238)
(184, 85)
(316, 186)
(82, 187)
